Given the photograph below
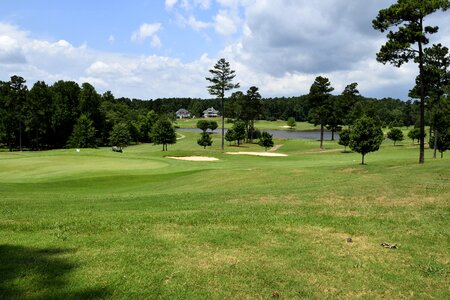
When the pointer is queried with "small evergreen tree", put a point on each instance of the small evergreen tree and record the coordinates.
(213, 125)
(203, 125)
(120, 135)
(344, 138)
(414, 134)
(83, 135)
(291, 122)
(163, 133)
(366, 136)
(395, 135)
(204, 140)
(239, 131)
(266, 140)
(442, 143)
(230, 136)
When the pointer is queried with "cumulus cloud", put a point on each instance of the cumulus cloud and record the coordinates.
(225, 23)
(170, 3)
(148, 31)
(192, 22)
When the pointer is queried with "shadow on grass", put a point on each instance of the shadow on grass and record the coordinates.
(29, 273)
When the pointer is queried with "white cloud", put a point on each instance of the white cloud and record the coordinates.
(170, 3)
(192, 22)
(148, 31)
(111, 39)
(225, 23)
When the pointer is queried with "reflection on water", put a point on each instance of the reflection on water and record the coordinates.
(285, 134)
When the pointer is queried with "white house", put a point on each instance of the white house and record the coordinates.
(211, 113)
(183, 114)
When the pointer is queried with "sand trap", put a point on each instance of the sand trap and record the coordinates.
(193, 158)
(257, 153)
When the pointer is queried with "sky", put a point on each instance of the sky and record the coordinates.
(150, 49)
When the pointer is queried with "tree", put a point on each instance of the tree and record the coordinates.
(442, 142)
(395, 135)
(436, 62)
(18, 96)
(414, 134)
(120, 135)
(408, 16)
(266, 140)
(344, 138)
(65, 110)
(345, 103)
(230, 136)
(203, 125)
(291, 123)
(366, 136)
(239, 131)
(213, 125)
(38, 115)
(319, 97)
(221, 81)
(248, 109)
(83, 135)
(163, 133)
(204, 140)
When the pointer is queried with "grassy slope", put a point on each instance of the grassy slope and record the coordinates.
(109, 225)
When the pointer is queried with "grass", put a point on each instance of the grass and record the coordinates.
(260, 124)
(104, 225)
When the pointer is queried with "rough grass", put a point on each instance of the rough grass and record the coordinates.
(98, 224)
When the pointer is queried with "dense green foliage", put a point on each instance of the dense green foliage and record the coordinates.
(408, 17)
(366, 136)
(266, 140)
(291, 122)
(320, 103)
(344, 138)
(83, 135)
(395, 134)
(205, 140)
(120, 135)
(163, 133)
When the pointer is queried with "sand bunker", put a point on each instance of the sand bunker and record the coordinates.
(193, 158)
(257, 153)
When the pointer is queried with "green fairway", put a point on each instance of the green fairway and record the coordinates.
(106, 225)
(259, 124)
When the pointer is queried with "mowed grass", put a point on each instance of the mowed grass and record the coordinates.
(98, 224)
(260, 124)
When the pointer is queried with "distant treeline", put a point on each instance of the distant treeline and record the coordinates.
(43, 117)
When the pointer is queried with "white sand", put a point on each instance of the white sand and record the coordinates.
(257, 153)
(193, 158)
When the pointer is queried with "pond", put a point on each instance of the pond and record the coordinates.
(284, 134)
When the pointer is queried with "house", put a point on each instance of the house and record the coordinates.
(210, 113)
(183, 114)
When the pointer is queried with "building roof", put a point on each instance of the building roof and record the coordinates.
(182, 111)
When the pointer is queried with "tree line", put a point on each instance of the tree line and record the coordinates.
(45, 116)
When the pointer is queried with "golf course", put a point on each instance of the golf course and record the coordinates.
(97, 224)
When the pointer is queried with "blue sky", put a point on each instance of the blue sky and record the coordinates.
(164, 48)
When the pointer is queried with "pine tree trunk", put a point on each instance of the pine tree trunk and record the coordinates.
(436, 136)
(422, 103)
(321, 136)
(362, 160)
(223, 126)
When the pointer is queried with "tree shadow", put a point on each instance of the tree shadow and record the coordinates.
(30, 273)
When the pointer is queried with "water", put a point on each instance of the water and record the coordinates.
(285, 134)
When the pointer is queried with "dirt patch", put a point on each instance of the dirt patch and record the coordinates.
(257, 153)
(193, 158)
